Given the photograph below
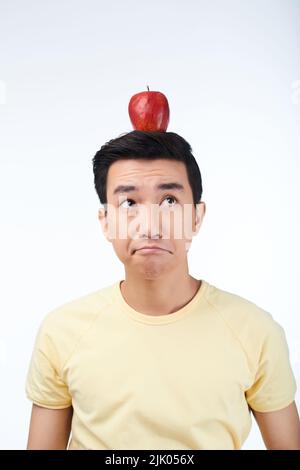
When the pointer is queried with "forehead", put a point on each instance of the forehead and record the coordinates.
(145, 172)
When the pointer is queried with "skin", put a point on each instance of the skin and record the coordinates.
(280, 429)
(155, 283)
(49, 429)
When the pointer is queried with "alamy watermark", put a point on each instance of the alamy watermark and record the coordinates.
(176, 222)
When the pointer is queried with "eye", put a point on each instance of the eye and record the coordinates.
(172, 198)
(126, 201)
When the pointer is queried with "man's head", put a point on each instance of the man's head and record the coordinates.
(151, 188)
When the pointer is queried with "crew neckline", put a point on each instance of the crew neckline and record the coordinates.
(158, 319)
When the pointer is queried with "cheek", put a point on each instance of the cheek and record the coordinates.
(178, 224)
(121, 249)
(124, 225)
(180, 248)
(117, 226)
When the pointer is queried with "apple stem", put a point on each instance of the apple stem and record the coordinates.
(148, 88)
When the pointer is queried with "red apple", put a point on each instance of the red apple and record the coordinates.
(149, 111)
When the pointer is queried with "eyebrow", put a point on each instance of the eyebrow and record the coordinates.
(162, 186)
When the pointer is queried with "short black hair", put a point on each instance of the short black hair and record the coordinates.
(149, 145)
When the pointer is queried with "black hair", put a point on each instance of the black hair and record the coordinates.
(146, 145)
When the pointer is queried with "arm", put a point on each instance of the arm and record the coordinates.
(49, 429)
(280, 429)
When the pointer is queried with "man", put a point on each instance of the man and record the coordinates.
(158, 360)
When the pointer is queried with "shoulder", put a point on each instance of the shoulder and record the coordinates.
(80, 311)
(238, 310)
(254, 327)
(64, 325)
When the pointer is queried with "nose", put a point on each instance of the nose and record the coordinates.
(149, 225)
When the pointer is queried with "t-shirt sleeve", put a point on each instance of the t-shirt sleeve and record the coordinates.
(44, 385)
(274, 386)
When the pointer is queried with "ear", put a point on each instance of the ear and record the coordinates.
(102, 216)
(200, 213)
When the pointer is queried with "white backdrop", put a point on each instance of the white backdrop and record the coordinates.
(231, 72)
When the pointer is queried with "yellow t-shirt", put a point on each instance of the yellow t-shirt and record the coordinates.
(177, 381)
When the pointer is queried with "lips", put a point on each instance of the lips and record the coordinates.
(150, 249)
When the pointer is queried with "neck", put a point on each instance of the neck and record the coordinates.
(159, 296)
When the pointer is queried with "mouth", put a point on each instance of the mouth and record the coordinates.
(148, 250)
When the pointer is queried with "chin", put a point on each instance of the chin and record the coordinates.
(152, 270)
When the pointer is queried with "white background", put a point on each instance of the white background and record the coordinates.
(231, 72)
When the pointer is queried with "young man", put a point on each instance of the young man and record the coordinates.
(158, 360)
